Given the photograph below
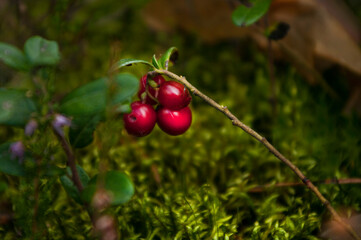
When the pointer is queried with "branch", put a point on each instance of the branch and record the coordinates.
(236, 122)
(71, 159)
(58, 131)
(261, 188)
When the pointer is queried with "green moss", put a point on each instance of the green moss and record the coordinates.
(194, 186)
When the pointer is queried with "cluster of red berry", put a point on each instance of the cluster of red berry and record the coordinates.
(172, 113)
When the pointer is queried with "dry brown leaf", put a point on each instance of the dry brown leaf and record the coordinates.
(322, 33)
(315, 33)
(334, 231)
(340, 11)
(313, 27)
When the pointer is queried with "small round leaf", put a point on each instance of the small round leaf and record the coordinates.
(13, 57)
(41, 51)
(117, 184)
(15, 107)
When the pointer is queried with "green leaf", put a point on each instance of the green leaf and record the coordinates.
(41, 51)
(70, 188)
(128, 62)
(116, 183)
(245, 16)
(81, 130)
(15, 107)
(126, 87)
(155, 62)
(90, 99)
(87, 104)
(3, 186)
(9, 165)
(13, 57)
(170, 56)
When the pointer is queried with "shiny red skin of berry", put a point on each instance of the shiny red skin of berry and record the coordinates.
(174, 122)
(173, 95)
(141, 121)
(152, 91)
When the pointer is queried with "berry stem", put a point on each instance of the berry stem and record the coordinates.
(236, 122)
(150, 76)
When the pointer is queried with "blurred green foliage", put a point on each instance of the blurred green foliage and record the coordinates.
(195, 186)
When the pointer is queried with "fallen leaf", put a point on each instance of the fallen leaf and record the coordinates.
(322, 33)
(334, 231)
(317, 35)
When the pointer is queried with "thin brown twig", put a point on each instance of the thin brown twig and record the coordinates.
(236, 122)
(261, 188)
(93, 213)
(72, 164)
(71, 160)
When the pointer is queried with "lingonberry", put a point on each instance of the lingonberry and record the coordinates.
(174, 122)
(141, 121)
(173, 95)
(152, 91)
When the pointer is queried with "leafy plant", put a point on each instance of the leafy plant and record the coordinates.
(79, 169)
(82, 110)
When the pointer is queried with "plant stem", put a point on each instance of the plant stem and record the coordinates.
(71, 160)
(236, 122)
(149, 77)
(261, 188)
(75, 176)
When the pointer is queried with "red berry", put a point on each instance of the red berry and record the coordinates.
(173, 95)
(141, 121)
(152, 91)
(174, 122)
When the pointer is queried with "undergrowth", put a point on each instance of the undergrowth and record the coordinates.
(197, 186)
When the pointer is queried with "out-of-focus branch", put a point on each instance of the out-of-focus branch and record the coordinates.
(71, 159)
(262, 188)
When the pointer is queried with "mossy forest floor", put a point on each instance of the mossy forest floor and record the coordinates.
(197, 185)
